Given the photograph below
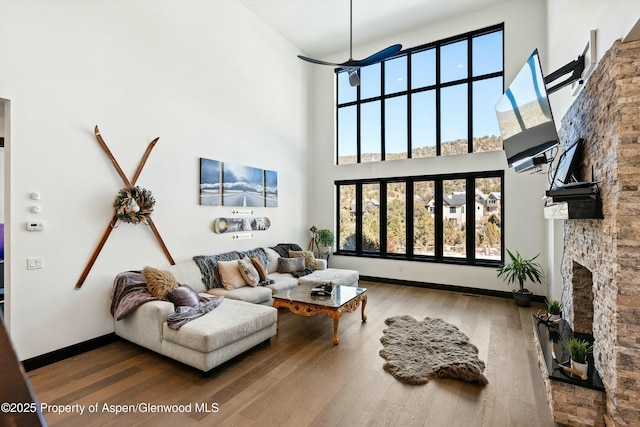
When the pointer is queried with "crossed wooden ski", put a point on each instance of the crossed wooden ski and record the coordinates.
(114, 220)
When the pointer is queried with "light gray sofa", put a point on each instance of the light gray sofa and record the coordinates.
(284, 281)
(243, 319)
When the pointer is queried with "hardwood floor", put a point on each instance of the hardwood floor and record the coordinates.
(302, 379)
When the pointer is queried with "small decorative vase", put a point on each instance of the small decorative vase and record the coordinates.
(582, 367)
(554, 317)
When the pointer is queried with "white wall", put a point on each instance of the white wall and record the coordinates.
(570, 22)
(525, 30)
(208, 78)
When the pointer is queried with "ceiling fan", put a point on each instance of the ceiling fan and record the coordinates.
(352, 66)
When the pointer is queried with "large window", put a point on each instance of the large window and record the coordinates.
(443, 218)
(432, 100)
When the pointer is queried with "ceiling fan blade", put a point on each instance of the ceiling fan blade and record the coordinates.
(317, 61)
(380, 56)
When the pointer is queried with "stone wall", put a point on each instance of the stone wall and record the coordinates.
(606, 114)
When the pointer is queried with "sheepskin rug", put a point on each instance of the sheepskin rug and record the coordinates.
(417, 351)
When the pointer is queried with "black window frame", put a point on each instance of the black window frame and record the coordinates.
(438, 257)
(437, 87)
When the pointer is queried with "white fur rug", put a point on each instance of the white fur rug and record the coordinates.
(417, 351)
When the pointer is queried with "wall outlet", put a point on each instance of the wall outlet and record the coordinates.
(34, 263)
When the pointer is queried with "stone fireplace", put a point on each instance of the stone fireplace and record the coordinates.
(601, 262)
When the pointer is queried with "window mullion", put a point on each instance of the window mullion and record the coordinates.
(438, 206)
(469, 95)
(471, 220)
(383, 216)
(409, 224)
(359, 217)
(438, 114)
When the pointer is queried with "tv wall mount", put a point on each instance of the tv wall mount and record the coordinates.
(575, 67)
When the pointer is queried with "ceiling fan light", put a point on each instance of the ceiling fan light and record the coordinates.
(354, 77)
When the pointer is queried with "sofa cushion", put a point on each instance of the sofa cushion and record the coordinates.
(188, 273)
(259, 295)
(260, 268)
(272, 260)
(290, 265)
(281, 282)
(337, 276)
(248, 271)
(259, 253)
(227, 323)
(309, 259)
(230, 275)
(159, 282)
(183, 296)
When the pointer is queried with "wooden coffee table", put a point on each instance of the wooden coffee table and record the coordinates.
(344, 299)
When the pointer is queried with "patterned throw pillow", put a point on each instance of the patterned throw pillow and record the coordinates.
(290, 265)
(230, 275)
(183, 296)
(309, 259)
(248, 272)
(259, 268)
(159, 282)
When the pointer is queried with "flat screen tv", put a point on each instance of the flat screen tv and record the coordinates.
(567, 165)
(525, 119)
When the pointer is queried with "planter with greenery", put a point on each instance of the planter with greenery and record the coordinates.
(519, 270)
(578, 350)
(554, 307)
(324, 240)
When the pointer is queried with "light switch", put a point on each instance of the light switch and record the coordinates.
(34, 263)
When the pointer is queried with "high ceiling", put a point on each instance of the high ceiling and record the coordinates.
(321, 27)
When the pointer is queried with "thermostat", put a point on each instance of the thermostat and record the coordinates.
(35, 226)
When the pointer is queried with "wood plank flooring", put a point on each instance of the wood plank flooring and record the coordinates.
(301, 379)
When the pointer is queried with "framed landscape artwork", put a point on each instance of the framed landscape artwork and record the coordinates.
(210, 182)
(230, 184)
(271, 189)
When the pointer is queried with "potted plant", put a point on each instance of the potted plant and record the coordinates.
(554, 307)
(520, 269)
(324, 239)
(578, 350)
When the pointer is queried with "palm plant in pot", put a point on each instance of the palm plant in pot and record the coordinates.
(519, 270)
(324, 240)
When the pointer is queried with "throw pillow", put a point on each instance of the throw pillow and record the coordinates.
(159, 282)
(309, 259)
(248, 272)
(259, 268)
(290, 265)
(183, 296)
(272, 260)
(230, 275)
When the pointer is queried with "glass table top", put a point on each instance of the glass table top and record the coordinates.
(339, 296)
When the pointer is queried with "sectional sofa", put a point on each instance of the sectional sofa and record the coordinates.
(243, 317)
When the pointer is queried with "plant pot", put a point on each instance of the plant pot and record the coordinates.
(522, 299)
(555, 317)
(582, 367)
(325, 249)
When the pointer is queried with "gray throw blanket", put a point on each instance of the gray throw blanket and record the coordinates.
(209, 267)
(183, 314)
(129, 292)
(283, 249)
(208, 264)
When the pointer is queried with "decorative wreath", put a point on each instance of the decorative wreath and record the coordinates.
(134, 205)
